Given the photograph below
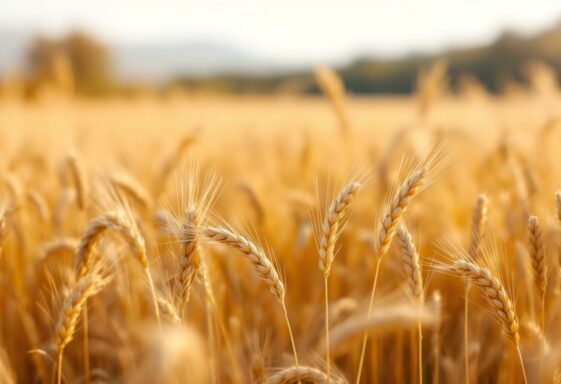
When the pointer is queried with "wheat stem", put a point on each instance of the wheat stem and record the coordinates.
(290, 333)
(59, 367)
(365, 337)
(86, 345)
(327, 357)
(466, 334)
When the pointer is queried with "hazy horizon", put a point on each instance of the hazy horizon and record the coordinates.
(288, 34)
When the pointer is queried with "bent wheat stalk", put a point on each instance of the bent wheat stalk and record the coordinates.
(260, 261)
(394, 317)
(121, 223)
(73, 305)
(498, 298)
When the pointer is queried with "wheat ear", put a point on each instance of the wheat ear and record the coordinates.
(80, 180)
(332, 225)
(333, 87)
(537, 254)
(411, 264)
(190, 261)
(260, 261)
(296, 374)
(121, 223)
(330, 230)
(495, 293)
(537, 258)
(168, 309)
(390, 220)
(254, 254)
(133, 189)
(115, 221)
(498, 298)
(3, 230)
(63, 244)
(478, 221)
(410, 258)
(40, 205)
(73, 305)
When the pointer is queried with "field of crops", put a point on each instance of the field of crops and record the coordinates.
(281, 239)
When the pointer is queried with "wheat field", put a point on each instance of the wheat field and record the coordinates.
(282, 239)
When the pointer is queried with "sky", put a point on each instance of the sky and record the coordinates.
(288, 31)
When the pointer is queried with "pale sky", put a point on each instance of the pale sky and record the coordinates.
(289, 31)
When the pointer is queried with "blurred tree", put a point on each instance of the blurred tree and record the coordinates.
(75, 63)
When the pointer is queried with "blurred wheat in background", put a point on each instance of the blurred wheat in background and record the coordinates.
(187, 235)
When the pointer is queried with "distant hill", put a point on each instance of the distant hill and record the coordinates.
(13, 46)
(492, 64)
(152, 63)
(157, 63)
(214, 66)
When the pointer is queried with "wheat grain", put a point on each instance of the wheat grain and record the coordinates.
(495, 293)
(190, 258)
(73, 305)
(332, 223)
(478, 221)
(410, 259)
(537, 254)
(254, 254)
(397, 208)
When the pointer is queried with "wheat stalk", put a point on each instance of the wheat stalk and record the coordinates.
(171, 162)
(254, 200)
(331, 226)
(168, 309)
(40, 205)
(254, 254)
(133, 189)
(330, 230)
(3, 230)
(411, 264)
(261, 263)
(537, 254)
(390, 220)
(64, 244)
(478, 221)
(334, 88)
(495, 293)
(120, 222)
(117, 221)
(397, 316)
(78, 173)
(73, 305)
(410, 258)
(15, 189)
(437, 300)
(558, 205)
(190, 260)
